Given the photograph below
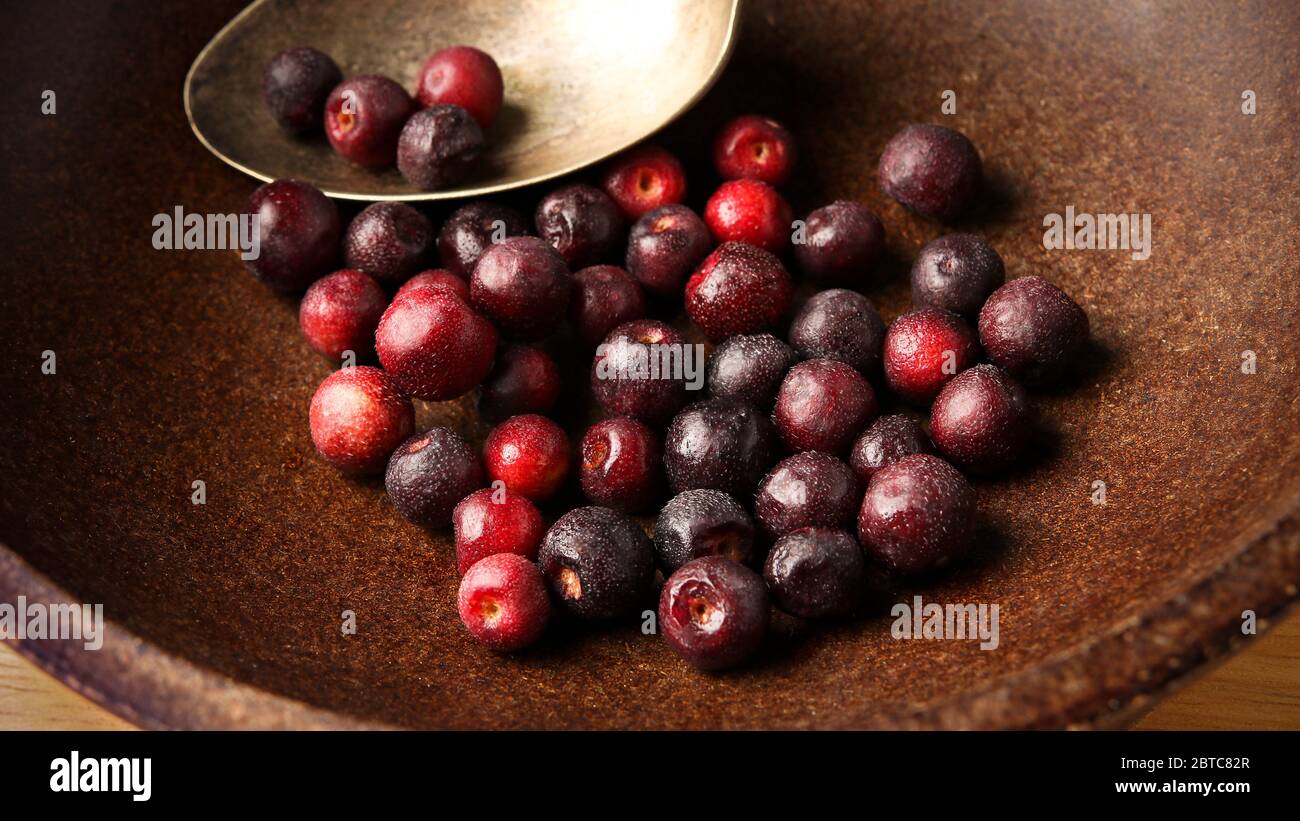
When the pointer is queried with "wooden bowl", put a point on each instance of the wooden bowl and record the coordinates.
(175, 366)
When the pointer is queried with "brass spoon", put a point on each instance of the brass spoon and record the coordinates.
(584, 79)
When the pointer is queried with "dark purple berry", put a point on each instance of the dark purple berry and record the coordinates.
(391, 241)
(469, 231)
(823, 405)
(887, 440)
(842, 325)
(604, 297)
(364, 117)
(917, 514)
(522, 285)
(956, 273)
(598, 562)
(925, 350)
(581, 222)
(816, 572)
(295, 84)
(438, 147)
(980, 420)
(632, 374)
(430, 473)
(665, 246)
(1033, 330)
(809, 489)
(702, 522)
(298, 230)
(933, 170)
(523, 380)
(750, 368)
(840, 245)
(621, 464)
(714, 612)
(724, 444)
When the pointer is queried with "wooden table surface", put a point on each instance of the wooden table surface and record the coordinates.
(1257, 689)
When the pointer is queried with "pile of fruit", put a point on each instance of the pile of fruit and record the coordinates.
(783, 487)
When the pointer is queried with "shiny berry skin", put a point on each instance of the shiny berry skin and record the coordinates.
(702, 522)
(430, 473)
(295, 85)
(823, 405)
(364, 117)
(298, 231)
(749, 211)
(714, 612)
(980, 420)
(754, 148)
(340, 312)
(1033, 330)
(816, 573)
(358, 417)
(750, 368)
(884, 442)
(462, 76)
(665, 246)
(627, 376)
(434, 345)
(621, 464)
(494, 520)
(916, 515)
(436, 278)
(530, 454)
(957, 273)
(643, 179)
(723, 444)
(932, 170)
(598, 562)
(522, 285)
(738, 289)
(524, 380)
(390, 241)
(809, 489)
(438, 147)
(842, 325)
(581, 222)
(925, 350)
(603, 297)
(503, 602)
(841, 243)
(469, 231)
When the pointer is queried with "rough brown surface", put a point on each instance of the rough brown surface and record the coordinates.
(176, 366)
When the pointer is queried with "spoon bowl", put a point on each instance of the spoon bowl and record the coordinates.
(584, 79)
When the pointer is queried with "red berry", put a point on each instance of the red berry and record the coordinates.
(621, 376)
(604, 297)
(364, 117)
(738, 289)
(298, 230)
(463, 76)
(358, 417)
(756, 148)
(581, 222)
(714, 612)
(841, 243)
(522, 285)
(1033, 330)
(436, 278)
(390, 241)
(980, 420)
(530, 454)
(524, 380)
(887, 440)
(932, 170)
(438, 147)
(429, 473)
(665, 246)
(494, 520)
(621, 464)
(925, 350)
(503, 602)
(434, 345)
(643, 179)
(749, 211)
(917, 514)
(340, 312)
(823, 405)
